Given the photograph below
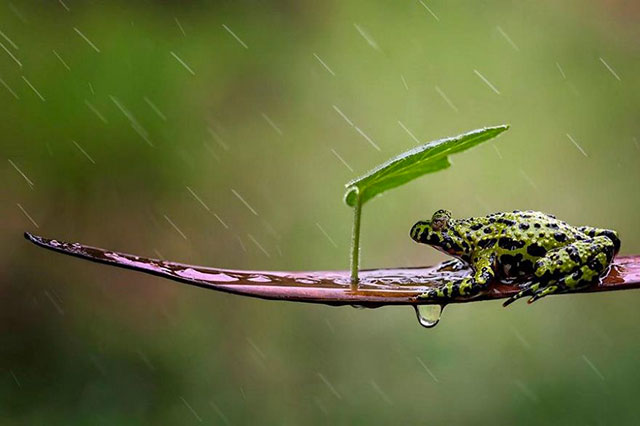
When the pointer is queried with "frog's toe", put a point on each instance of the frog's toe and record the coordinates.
(543, 292)
(527, 290)
(443, 292)
(432, 294)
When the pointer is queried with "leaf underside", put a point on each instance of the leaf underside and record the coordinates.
(409, 165)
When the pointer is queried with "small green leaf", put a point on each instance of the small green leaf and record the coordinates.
(427, 158)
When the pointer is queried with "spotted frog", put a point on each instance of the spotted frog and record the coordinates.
(541, 253)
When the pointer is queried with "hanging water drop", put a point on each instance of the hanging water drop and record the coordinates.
(428, 315)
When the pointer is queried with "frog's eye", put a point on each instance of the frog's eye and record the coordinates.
(440, 219)
(439, 223)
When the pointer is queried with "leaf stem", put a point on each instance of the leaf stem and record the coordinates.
(355, 243)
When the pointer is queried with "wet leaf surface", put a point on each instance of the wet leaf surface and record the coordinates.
(378, 287)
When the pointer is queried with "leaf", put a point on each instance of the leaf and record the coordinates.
(427, 158)
(378, 287)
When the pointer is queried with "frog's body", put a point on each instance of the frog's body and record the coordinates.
(546, 253)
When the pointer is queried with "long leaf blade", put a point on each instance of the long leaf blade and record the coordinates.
(378, 287)
(409, 165)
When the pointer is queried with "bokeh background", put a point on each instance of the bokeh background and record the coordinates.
(118, 112)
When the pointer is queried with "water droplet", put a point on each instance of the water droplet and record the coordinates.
(428, 315)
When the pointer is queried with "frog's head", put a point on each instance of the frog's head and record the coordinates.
(438, 232)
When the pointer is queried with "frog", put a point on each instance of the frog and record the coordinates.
(535, 251)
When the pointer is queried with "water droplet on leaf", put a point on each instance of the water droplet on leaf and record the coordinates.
(428, 315)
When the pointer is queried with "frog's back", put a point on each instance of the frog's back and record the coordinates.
(519, 225)
(520, 238)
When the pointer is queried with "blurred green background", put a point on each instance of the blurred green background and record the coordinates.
(262, 115)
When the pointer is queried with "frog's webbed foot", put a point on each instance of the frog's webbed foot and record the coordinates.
(469, 286)
(444, 292)
(543, 292)
(527, 290)
(535, 290)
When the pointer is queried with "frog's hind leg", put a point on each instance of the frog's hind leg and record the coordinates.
(601, 232)
(569, 268)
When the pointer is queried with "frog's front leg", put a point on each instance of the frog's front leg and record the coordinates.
(570, 268)
(483, 265)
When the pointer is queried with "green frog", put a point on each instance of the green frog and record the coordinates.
(541, 253)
